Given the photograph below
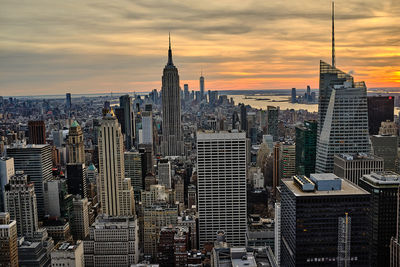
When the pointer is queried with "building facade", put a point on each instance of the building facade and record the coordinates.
(311, 236)
(306, 147)
(75, 145)
(8, 241)
(172, 138)
(37, 132)
(353, 166)
(221, 178)
(380, 109)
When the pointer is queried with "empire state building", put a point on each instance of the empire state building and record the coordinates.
(172, 141)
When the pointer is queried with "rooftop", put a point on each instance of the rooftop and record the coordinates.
(382, 178)
(346, 189)
(358, 156)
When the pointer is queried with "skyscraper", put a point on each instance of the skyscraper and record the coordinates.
(133, 170)
(76, 149)
(127, 120)
(68, 102)
(243, 118)
(8, 241)
(288, 160)
(164, 173)
(395, 240)
(80, 223)
(385, 146)
(76, 179)
(306, 147)
(272, 127)
(221, 173)
(380, 109)
(186, 92)
(201, 86)
(6, 171)
(293, 98)
(37, 132)
(172, 139)
(20, 202)
(311, 236)
(34, 161)
(383, 187)
(343, 117)
(115, 191)
(147, 127)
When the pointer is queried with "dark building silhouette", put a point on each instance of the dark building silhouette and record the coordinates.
(380, 108)
(306, 147)
(37, 132)
(76, 179)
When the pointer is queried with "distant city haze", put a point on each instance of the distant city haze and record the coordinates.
(49, 47)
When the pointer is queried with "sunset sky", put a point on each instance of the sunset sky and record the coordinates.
(88, 46)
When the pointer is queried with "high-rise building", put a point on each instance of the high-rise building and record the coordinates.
(20, 203)
(58, 202)
(164, 173)
(388, 128)
(58, 138)
(186, 92)
(343, 117)
(383, 187)
(353, 166)
(112, 241)
(272, 127)
(380, 109)
(276, 166)
(294, 96)
(312, 236)
(115, 191)
(243, 118)
(288, 160)
(147, 127)
(75, 146)
(201, 87)
(68, 102)
(80, 223)
(221, 179)
(306, 147)
(77, 179)
(172, 138)
(8, 241)
(36, 252)
(395, 240)
(127, 120)
(68, 254)
(37, 132)
(133, 170)
(6, 171)
(34, 161)
(93, 174)
(385, 146)
(155, 217)
(179, 190)
(173, 246)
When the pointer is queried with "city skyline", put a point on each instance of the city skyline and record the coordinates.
(103, 47)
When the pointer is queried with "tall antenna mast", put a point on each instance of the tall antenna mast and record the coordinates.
(333, 35)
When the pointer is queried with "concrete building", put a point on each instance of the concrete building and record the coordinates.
(221, 172)
(353, 166)
(385, 146)
(58, 202)
(342, 234)
(20, 203)
(80, 223)
(8, 241)
(75, 144)
(172, 138)
(164, 173)
(288, 160)
(37, 132)
(343, 117)
(383, 187)
(115, 191)
(35, 161)
(6, 171)
(112, 241)
(68, 255)
(147, 127)
(156, 217)
(35, 252)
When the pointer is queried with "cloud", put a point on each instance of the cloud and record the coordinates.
(78, 46)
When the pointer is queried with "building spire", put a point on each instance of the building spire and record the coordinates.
(333, 35)
(170, 63)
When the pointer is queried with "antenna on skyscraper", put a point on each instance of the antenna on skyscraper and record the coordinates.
(333, 35)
